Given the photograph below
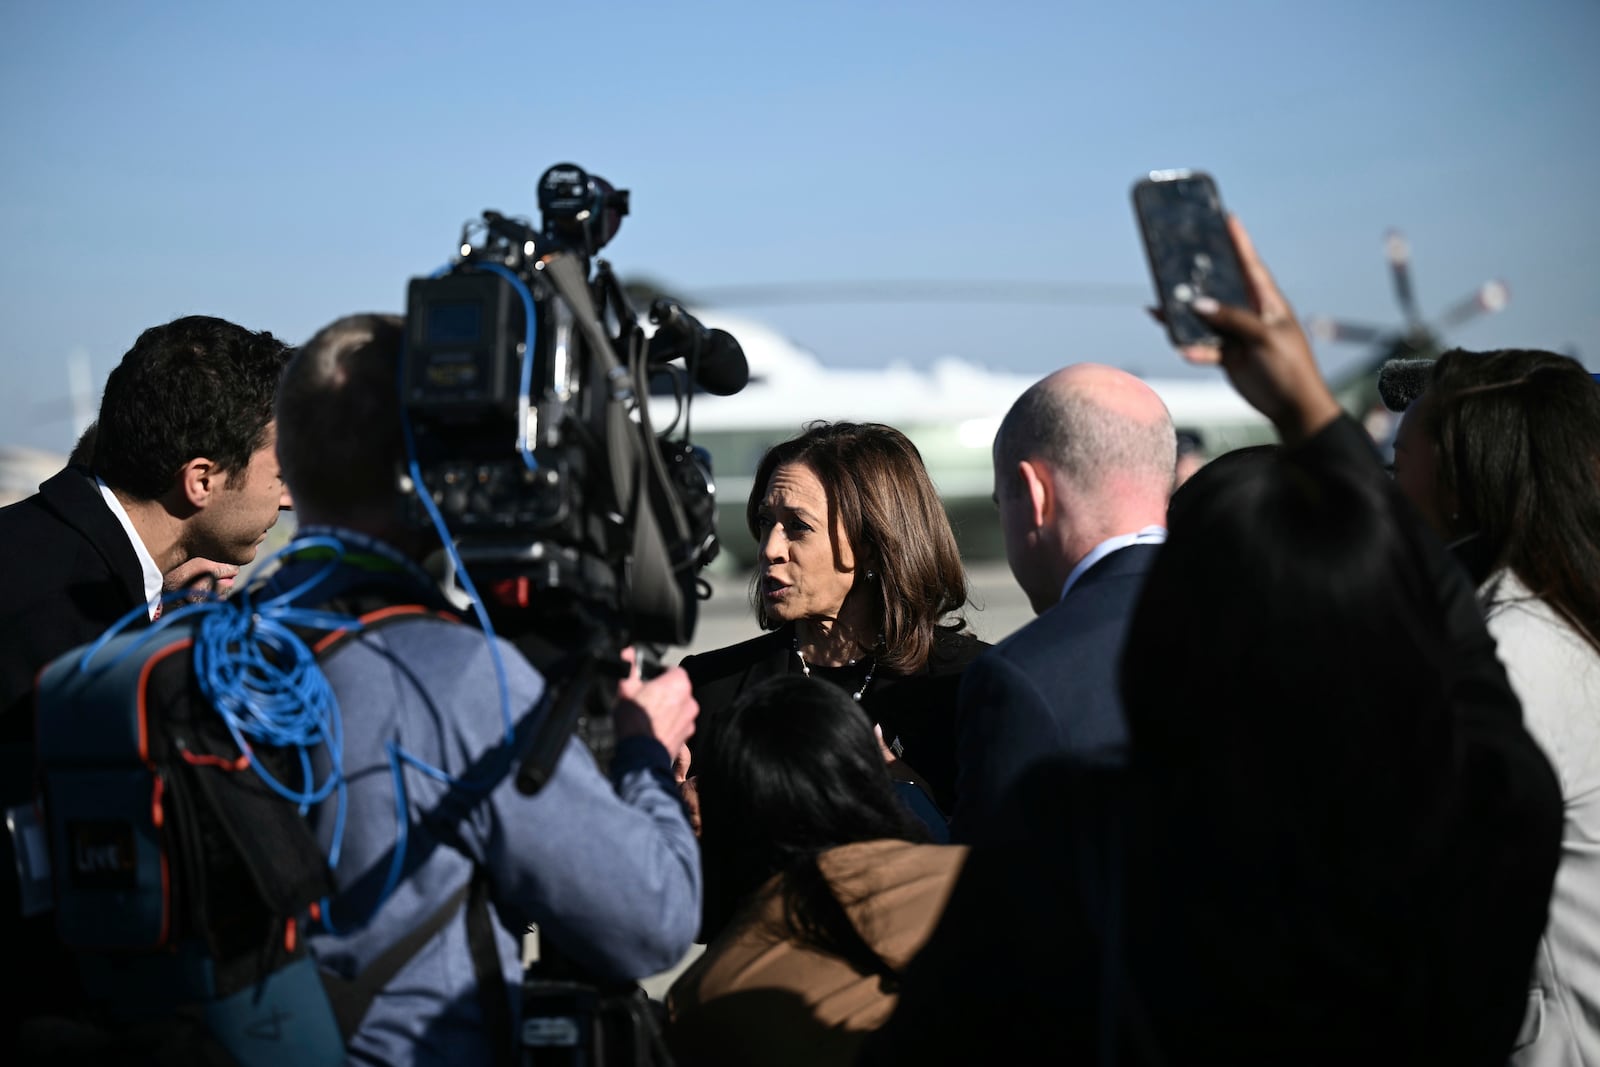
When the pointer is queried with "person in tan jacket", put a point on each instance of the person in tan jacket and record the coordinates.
(819, 886)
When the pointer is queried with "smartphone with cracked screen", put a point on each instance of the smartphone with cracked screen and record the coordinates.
(1190, 251)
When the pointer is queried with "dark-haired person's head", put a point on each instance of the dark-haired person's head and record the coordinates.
(1287, 630)
(197, 573)
(187, 420)
(1221, 472)
(885, 540)
(339, 429)
(82, 454)
(792, 768)
(1504, 447)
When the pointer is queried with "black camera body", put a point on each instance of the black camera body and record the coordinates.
(525, 390)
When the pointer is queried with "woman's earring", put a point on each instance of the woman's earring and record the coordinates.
(872, 575)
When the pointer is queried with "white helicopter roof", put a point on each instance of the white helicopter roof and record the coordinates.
(790, 385)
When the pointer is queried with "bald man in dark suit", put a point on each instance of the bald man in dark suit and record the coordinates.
(1083, 468)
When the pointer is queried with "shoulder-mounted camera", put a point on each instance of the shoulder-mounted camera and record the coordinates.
(525, 382)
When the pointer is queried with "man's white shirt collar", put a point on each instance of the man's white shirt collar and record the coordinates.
(1150, 535)
(147, 562)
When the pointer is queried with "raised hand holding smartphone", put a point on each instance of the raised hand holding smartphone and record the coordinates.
(1264, 350)
(1190, 250)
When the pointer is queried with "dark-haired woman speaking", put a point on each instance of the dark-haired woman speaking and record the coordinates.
(859, 584)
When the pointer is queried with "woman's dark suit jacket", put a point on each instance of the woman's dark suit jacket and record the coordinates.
(917, 710)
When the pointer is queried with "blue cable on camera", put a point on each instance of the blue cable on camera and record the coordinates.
(526, 381)
(399, 758)
(414, 469)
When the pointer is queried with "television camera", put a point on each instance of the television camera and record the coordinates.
(525, 386)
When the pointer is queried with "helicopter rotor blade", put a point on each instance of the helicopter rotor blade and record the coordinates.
(1490, 297)
(1323, 328)
(1398, 251)
(1090, 294)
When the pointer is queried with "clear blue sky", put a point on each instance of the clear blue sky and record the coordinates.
(283, 164)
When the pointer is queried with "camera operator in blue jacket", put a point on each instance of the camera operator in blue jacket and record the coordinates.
(609, 871)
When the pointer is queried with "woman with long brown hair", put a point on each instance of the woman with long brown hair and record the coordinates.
(859, 583)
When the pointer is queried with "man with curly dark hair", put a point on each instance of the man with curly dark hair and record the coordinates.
(183, 467)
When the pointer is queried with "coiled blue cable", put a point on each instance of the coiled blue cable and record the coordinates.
(261, 677)
(264, 682)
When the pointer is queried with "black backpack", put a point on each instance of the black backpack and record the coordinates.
(183, 882)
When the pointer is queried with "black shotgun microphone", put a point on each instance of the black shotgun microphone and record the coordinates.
(1400, 381)
(713, 356)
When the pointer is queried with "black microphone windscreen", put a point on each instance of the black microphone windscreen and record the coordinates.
(722, 370)
(1401, 381)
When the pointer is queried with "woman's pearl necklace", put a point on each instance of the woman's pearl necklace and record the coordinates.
(805, 669)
